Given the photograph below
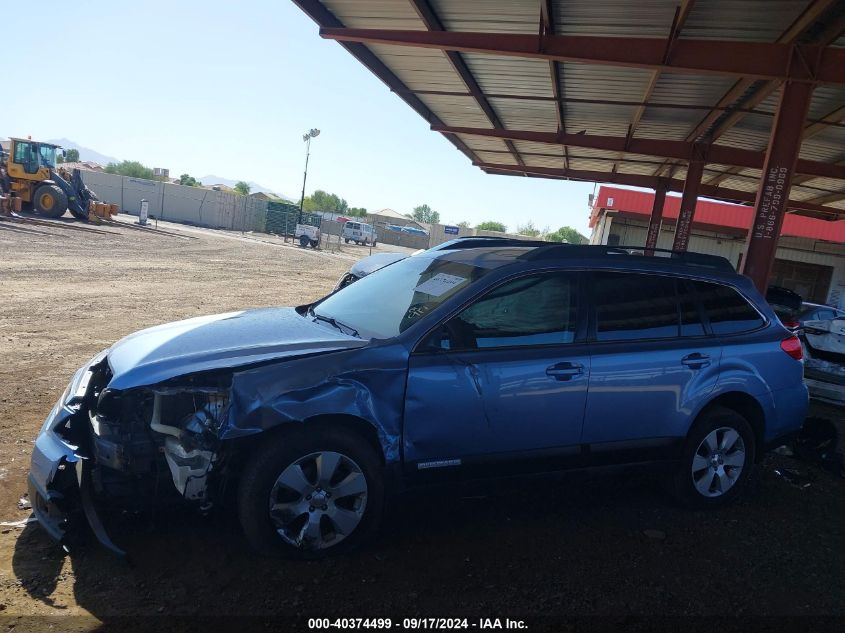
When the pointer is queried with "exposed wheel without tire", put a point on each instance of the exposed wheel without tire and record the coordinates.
(50, 201)
(310, 493)
(717, 460)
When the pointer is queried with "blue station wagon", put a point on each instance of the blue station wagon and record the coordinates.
(477, 358)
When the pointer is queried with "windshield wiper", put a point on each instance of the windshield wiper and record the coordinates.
(333, 322)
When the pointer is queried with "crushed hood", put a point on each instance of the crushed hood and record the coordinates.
(219, 341)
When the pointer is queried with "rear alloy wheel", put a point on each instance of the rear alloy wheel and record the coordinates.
(718, 462)
(312, 493)
(50, 201)
(718, 458)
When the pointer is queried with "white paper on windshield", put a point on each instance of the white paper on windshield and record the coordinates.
(440, 284)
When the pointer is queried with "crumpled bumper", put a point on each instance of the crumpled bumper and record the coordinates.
(50, 455)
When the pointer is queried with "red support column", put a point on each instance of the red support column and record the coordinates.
(683, 228)
(775, 182)
(655, 220)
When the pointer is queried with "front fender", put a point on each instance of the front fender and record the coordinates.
(368, 384)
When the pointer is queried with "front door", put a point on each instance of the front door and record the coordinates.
(506, 378)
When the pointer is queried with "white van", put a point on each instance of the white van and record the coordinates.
(359, 233)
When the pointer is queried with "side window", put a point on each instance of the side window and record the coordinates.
(534, 310)
(824, 315)
(728, 311)
(630, 306)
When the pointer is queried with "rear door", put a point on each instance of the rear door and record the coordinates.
(506, 378)
(651, 360)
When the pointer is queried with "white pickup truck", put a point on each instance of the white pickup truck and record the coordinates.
(307, 235)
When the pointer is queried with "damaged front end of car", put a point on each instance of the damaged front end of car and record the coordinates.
(120, 446)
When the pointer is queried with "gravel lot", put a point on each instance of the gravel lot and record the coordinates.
(579, 545)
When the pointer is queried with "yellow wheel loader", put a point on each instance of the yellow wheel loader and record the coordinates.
(29, 172)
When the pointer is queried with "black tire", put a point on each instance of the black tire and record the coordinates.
(682, 484)
(375, 244)
(50, 201)
(304, 241)
(314, 243)
(270, 461)
(346, 240)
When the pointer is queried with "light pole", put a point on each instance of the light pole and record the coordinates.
(312, 133)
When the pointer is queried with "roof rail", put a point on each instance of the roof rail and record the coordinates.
(552, 250)
(485, 241)
(702, 260)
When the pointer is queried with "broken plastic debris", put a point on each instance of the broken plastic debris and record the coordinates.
(791, 477)
(18, 524)
(24, 504)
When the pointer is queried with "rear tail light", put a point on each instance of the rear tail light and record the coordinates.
(792, 346)
(791, 324)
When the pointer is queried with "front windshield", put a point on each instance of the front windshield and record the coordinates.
(48, 156)
(387, 302)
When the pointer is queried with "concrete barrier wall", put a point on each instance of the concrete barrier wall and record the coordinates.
(178, 203)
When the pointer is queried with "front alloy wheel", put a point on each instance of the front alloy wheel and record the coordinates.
(311, 490)
(318, 500)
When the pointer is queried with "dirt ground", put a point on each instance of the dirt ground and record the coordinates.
(576, 546)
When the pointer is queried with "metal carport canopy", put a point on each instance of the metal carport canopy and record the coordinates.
(622, 91)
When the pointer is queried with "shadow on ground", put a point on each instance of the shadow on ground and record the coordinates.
(578, 545)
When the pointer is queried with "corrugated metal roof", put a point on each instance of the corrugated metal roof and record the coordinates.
(518, 93)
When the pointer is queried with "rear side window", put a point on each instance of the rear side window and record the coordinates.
(729, 312)
(631, 307)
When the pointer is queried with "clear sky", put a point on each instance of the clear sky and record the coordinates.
(228, 88)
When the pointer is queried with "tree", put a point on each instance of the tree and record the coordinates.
(424, 213)
(72, 155)
(131, 168)
(242, 188)
(190, 181)
(565, 234)
(357, 212)
(60, 159)
(492, 225)
(463, 225)
(527, 229)
(322, 201)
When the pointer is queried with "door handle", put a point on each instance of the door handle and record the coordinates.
(565, 371)
(696, 360)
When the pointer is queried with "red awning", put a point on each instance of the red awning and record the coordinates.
(713, 214)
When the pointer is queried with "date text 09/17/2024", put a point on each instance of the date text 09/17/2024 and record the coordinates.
(409, 624)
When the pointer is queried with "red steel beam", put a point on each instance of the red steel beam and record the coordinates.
(826, 121)
(683, 227)
(655, 220)
(795, 62)
(775, 183)
(650, 182)
(681, 150)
